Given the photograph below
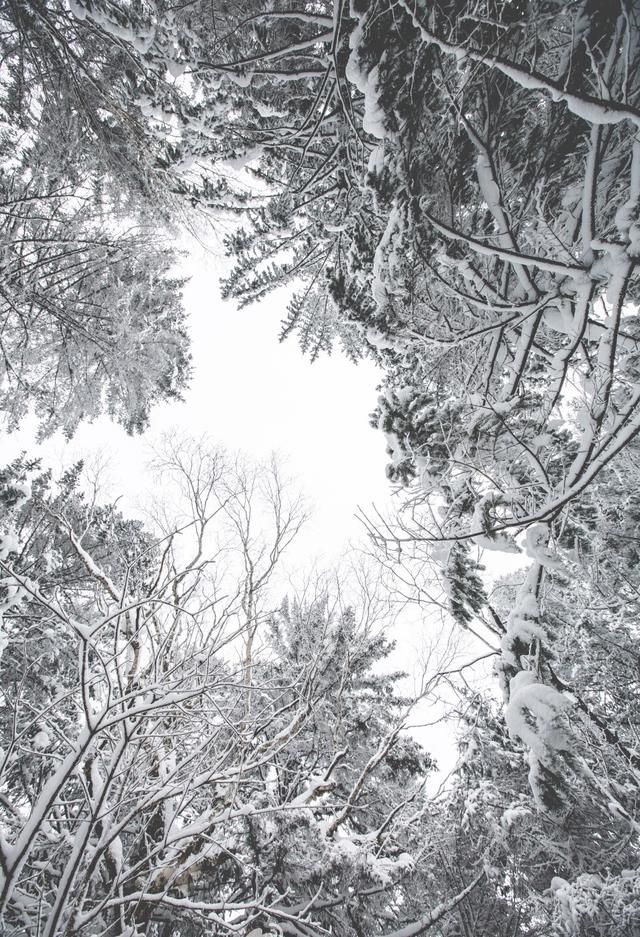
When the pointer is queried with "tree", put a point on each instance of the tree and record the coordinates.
(141, 790)
(451, 188)
(495, 281)
(566, 869)
(92, 317)
(91, 304)
(468, 308)
(118, 122)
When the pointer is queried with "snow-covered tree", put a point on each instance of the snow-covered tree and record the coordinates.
(92, 319)
(451, 187)
(143, 789)
(490, 265)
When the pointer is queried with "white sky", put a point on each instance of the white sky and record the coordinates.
(251, 393)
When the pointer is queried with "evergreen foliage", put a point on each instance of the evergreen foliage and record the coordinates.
(451, 188)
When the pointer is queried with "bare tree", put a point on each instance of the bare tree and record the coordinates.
(250, 512)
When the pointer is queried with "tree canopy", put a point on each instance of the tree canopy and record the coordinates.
(448, 187)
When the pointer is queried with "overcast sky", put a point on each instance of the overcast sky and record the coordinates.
(251, 393)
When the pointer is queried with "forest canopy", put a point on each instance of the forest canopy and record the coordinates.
(450, 188)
